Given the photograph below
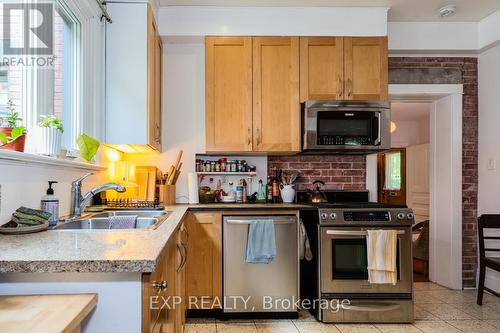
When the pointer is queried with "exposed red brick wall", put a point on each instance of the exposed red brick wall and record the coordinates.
(338, 172)
(468, 66)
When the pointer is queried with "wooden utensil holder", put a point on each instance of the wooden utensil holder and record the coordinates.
(167, 194)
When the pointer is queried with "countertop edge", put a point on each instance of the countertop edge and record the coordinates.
(146, 265)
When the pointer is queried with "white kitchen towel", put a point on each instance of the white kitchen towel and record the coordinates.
(261, 242)
(381, 247)
(305, 246)
(122, 222)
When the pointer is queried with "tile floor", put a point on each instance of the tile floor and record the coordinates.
(437, 310)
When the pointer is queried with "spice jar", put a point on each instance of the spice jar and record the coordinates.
(233, 166)
(222, 162)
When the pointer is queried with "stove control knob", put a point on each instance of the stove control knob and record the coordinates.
(333, 216)
(324, 216)
(401, 216)
(410, 216)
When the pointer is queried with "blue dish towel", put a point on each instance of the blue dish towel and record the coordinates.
(261, 242)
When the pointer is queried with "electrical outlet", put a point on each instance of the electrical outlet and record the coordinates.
(492, 163)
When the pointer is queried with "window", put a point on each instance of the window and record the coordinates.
(73, 88)
(65, 108)
(393, 171)
(10, 88)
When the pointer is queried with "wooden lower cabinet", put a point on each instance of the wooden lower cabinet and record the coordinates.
(166, 283)
(204, 259)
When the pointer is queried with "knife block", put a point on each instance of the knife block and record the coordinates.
(167, 194)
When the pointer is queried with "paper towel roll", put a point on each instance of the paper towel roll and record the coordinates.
(193, 194)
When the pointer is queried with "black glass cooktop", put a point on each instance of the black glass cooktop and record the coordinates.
(343, 199)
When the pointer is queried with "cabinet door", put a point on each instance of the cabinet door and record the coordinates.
(180, 310)
(154, 313)
(365, 68)
(276, 108)
(228, 88)
(171, 325)
(321, 68)
(154, 83)
(204, 258)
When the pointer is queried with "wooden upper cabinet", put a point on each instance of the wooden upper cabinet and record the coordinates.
(228, 88)
(155, 70)
(365, 68)
(276, 107)
(321, 68)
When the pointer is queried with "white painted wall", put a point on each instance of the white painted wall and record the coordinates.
(263, 21)
(25, 185)
(489, 30)
(444, 37)
(489, 138)
(410, 133)
(433, 36)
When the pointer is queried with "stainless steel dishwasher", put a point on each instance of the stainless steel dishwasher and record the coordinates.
(260, 288)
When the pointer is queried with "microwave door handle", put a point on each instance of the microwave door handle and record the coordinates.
(371, 308)
(377, 141)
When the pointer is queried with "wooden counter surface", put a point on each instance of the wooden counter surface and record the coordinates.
(45, 313)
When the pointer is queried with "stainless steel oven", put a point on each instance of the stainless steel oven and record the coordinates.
(343, 267)
(345, 126)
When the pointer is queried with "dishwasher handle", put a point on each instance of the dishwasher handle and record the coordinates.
(277, 221)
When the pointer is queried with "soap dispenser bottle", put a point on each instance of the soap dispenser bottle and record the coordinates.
(50, 204)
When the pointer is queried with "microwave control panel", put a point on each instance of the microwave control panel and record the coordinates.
(337, 140)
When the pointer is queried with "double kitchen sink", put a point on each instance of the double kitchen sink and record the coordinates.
(146, 220)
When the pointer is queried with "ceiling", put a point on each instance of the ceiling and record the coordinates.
(409, 111)
(400, 10)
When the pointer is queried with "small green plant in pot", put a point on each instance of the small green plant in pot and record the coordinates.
(51, 130)
(12, 135)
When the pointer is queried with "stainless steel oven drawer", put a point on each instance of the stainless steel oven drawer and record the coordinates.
(371, 311)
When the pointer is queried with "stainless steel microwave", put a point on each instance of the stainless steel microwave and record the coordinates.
(346, 127)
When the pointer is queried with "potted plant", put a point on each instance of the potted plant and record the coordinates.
(51, 129)
(12, 136)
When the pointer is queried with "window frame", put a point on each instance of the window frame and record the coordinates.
(87, 76)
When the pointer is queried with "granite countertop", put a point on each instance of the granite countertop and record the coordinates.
(101, 250)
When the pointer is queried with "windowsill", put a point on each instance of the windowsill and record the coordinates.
(15, 157)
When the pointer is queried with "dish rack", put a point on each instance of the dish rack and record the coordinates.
(128, 204)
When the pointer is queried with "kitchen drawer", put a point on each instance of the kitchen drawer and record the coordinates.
(372, 311)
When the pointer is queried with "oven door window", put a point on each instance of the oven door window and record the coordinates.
(349, 259)
(344, 128)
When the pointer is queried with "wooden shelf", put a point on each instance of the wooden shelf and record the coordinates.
(226, 173)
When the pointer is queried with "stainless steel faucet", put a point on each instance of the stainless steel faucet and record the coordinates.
(78, 202)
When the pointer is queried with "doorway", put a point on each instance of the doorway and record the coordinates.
(391, 175)
(444, 174)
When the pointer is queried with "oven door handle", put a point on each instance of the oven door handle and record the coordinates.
(377, 141)
(355, 232)
(371, 308)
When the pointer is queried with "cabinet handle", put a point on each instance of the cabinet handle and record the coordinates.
(182, 250)
(349, 83)
(249, 137)
(163, 285)
(185, 255)
(341, 87)
(258, 136)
